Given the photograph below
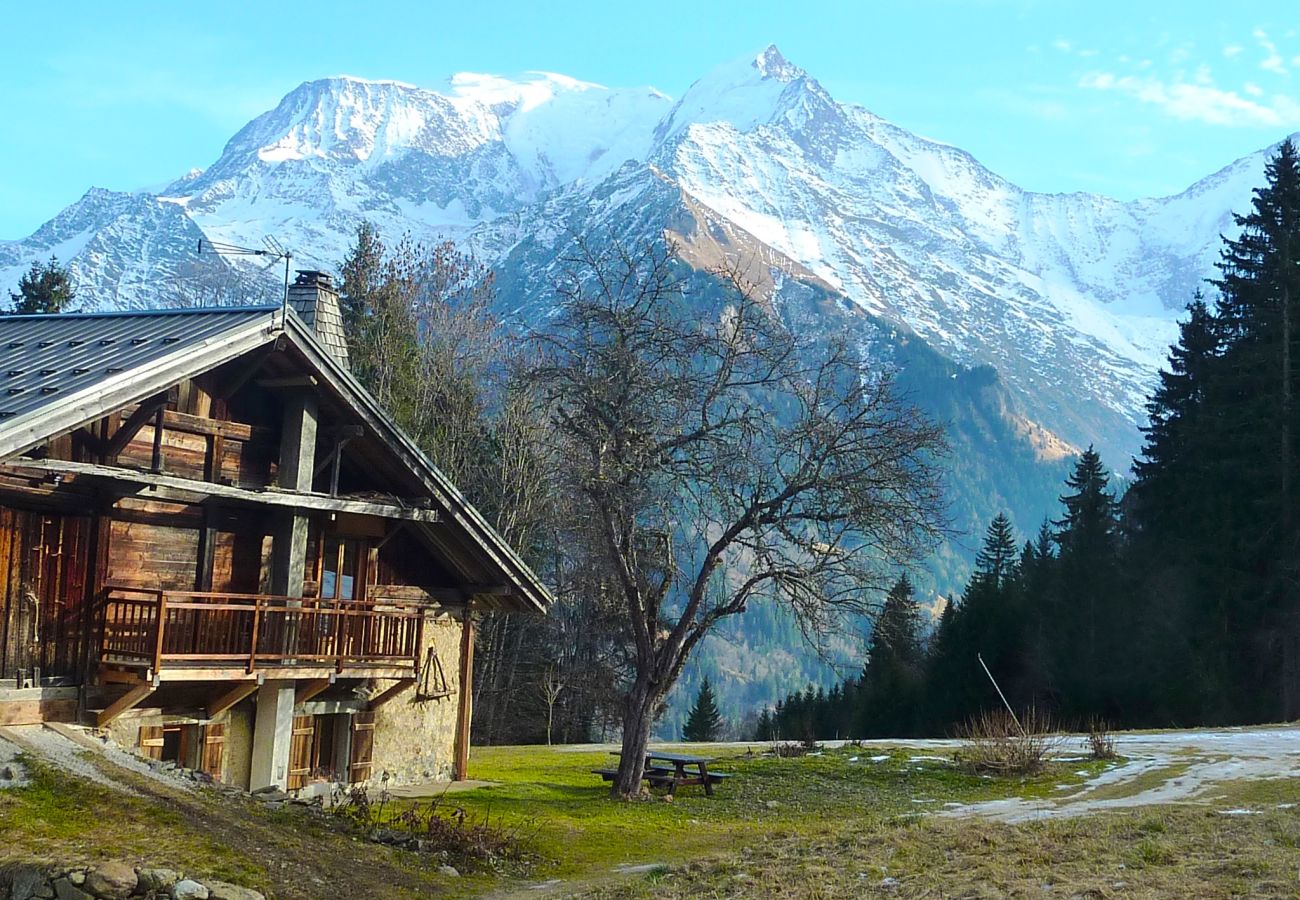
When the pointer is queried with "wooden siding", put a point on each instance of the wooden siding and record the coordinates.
(43, 568)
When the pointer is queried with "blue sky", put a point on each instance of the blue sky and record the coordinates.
(1130, 99)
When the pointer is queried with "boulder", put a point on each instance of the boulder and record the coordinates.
(189, 889)
(157, 880)
(113, 880)
(449, 871)
(26, 882)
(221, 890)
(66, 890)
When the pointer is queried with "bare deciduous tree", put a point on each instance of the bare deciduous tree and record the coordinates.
(719, 459)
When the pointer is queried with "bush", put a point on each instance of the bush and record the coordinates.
(427, 827)
(996, 744)
(1100, 741)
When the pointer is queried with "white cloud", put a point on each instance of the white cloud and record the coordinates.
(1200, 101)
(1253, 89)
(1232, 50)
(1273, 61)
(1063, 45)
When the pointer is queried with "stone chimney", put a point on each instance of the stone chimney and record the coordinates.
(314, 299)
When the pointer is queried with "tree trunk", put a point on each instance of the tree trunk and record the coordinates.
(638, 716)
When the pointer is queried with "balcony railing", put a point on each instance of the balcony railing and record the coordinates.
(170, 629)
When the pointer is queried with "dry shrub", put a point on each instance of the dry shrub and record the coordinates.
(1100, 741)
(789, 749)
(996, 744)
(451, 834)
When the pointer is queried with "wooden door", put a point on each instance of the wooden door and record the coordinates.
(304, 728)
(214, 750)
(363, 747)
(151, 741)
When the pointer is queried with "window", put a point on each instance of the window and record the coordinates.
(339, 562)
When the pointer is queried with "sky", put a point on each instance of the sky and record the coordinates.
(1129, 99)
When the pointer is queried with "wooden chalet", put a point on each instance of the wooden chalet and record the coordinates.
(215, 545)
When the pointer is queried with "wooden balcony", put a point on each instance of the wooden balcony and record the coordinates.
(190, 634)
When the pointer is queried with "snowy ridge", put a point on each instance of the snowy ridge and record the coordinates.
(1071, 297)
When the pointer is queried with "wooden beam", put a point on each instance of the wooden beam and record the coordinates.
(288, 381)
(131, 427)
(130, 700)
(309, 689)
(226, 699)
(171, 487)
(117, 676)
(235, 431)
(391, 692)
(465, 702)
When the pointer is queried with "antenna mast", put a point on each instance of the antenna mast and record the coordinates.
(274, 250)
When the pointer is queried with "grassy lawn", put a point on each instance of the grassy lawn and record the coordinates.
(581, 834)
(842, 823)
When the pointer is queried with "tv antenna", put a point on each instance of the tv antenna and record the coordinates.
(273, 250)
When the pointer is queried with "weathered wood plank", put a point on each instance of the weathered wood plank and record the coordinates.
(171, 487)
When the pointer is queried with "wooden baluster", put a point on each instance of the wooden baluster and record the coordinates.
(257, 621)
(161, 631)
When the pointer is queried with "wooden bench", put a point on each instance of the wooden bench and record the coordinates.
(675, 773)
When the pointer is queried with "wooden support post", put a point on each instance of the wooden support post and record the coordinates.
(391, 692)
(156, 462)
(308, 689)
(207, 549)
(465, 702)
(130, 700)
(226, 699)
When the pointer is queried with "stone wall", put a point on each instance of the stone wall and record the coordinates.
(237, 760)
(415, 738)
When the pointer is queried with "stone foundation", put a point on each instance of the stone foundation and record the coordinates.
(415, 738)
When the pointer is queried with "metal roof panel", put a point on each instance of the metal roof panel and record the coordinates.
(49, 357)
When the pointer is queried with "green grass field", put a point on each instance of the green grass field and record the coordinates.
(842, 823)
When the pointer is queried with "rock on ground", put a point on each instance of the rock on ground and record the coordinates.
(113, 880)
(189, 890)
(221, 890)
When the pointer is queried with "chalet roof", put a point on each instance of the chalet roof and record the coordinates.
(59, 372)
(45, 359)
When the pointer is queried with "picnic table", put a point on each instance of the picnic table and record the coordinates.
(671, 770)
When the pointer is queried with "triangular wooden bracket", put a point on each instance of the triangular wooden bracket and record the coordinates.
(433, 680)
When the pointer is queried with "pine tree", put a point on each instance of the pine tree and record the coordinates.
(891, 679)
(44, 288)
(704, 724)
(996, 560)
(1213, 517)
(1092, 621)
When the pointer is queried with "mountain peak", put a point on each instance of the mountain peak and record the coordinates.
(771, 64)
(747, 92)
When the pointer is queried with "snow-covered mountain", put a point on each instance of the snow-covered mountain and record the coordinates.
(1072, 298)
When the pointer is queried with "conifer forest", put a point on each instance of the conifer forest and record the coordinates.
(1172, 599)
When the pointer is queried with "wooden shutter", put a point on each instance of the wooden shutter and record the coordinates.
(214, 750)
(304, 727)
(363, 746)
(151, 741)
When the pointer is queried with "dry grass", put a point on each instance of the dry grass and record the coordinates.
(1166, 852)
(996, 743)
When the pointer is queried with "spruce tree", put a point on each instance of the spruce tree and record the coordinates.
(704, 723)
(44, 288)
(891, 679)
(1092, 619)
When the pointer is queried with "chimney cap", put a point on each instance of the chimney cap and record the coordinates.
(312, 278)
